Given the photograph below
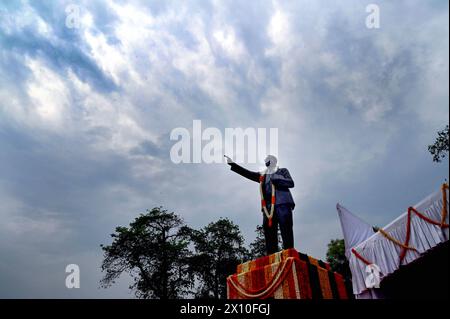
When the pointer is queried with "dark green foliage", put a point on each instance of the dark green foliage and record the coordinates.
(440, 147)
(336, 257)
(219, 248)
(153, 250)
(258, 246)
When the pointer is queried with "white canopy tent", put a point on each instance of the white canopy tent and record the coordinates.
(354, 228)
(402, 241)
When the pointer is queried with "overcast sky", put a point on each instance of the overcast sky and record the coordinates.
(86, 112)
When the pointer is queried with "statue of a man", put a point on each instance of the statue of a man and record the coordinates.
(276, 201)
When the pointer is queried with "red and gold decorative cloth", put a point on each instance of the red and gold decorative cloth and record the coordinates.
(286, 275)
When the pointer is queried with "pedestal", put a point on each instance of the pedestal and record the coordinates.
(287, 274)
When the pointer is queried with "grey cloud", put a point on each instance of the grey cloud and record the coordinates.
(63, 55)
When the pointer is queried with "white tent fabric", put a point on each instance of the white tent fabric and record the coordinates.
(383, 252)
(355, 229)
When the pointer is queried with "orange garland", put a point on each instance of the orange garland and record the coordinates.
(263, 201)
(405, 246)
(444, 205)
(264, 292)
(360, 257)
(395, 241)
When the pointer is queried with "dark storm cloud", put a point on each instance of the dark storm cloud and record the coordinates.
(62, 55)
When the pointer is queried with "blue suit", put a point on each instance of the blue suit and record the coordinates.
(284, 204)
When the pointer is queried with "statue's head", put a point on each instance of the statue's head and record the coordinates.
(271, 161)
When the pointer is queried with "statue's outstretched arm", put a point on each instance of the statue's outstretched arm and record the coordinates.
(253, 176)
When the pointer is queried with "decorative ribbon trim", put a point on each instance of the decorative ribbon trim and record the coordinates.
(405, 246)
(263, 201)
(361, 257)
(444, 206)
(265, 292)
(395, 241)
(408, 228)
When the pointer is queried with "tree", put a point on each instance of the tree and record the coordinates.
(440, 147)
(336, 257)
(218, 250)
(154, 251)
(258, 246)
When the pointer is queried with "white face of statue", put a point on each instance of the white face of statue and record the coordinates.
(271, 163)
